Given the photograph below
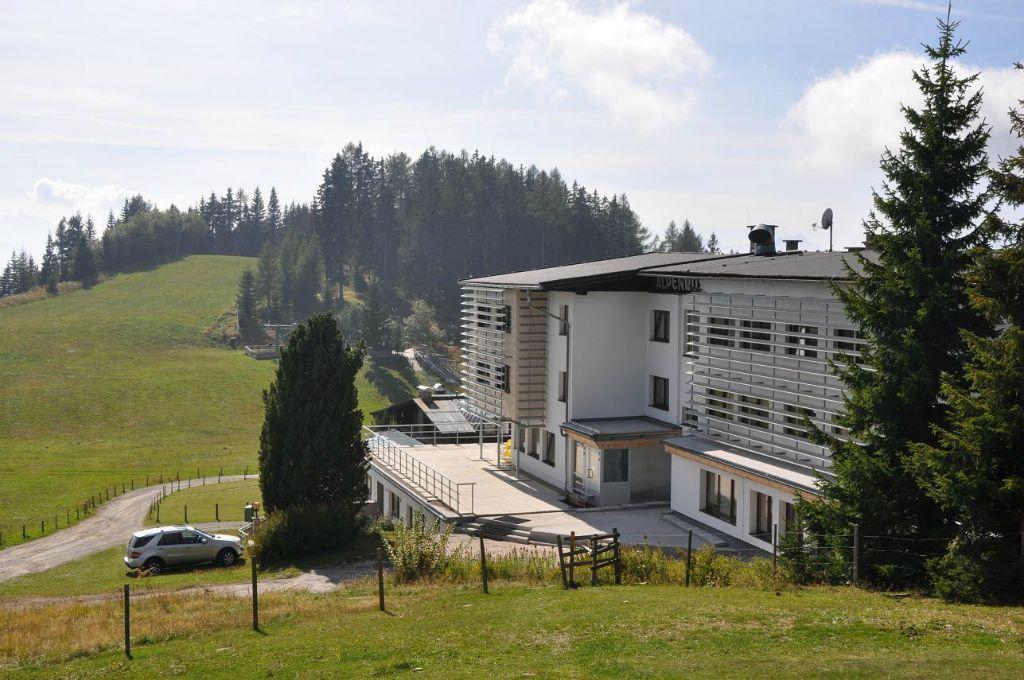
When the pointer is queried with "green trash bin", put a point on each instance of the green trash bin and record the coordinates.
(248, 512)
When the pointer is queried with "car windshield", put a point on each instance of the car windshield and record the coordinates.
(203, 533)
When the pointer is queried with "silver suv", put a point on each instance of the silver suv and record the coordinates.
(155, 549)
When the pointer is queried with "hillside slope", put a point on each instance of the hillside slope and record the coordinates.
(99, 386)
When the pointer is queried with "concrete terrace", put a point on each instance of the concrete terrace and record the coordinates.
(538, 507)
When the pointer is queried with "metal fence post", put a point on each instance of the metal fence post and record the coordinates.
(689, 555)
(618, 557)
(127, 623)
(856, 553)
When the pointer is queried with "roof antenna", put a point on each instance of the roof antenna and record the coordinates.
(826, 223)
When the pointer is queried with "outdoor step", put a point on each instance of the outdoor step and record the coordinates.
(706, 536)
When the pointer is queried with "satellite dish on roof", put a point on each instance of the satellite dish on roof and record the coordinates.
(826, 223)
(826, 219)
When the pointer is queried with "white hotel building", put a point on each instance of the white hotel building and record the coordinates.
(672, 377)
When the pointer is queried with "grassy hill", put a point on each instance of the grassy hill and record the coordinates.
(104, 385)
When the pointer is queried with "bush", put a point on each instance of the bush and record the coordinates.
(419, 551)
(303, 530)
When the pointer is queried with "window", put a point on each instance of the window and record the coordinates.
(719, 408)
(563, 323)
(758, 417)
(563, 386)
(659, 326)
(717, 335)
(549, 449)
(188, 538)
(659, 393)
(534, 433)
(503, 378)
(796, 419)
(142, 540)
(521, 438)
(173, 538)
(408, 515)
(761, 524)
(789, 519)
(689, 417)
(718, 497)
(748, 335)
(396, 505)
(796, 345)
(506, 318)
(614, 466)
(692, 340)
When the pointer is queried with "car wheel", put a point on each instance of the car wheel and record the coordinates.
(227, 557)
(153, 566)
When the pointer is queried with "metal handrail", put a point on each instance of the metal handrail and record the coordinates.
(437, 484)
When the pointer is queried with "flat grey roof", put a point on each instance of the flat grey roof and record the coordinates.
(621, 428)
(765, 466)
(446, 415)
(794, 265)
(539, 278)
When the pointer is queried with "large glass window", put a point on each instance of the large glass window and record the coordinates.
(659, 393)
(719, 333)
(798, 345)
(719, 496)
(563, 386)
(549, 449)
(659, 326)
(614, 466)
(761, 526)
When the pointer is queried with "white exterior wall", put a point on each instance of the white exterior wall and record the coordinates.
(407, 499)
(686, 500)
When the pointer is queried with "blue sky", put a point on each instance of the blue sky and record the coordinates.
(727, 112)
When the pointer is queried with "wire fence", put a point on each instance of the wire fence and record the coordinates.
(63, 515)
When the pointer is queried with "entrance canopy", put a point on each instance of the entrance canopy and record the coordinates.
(620, 433)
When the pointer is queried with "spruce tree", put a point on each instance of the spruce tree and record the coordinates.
(86, 266)
(712, 244)
(975, 472)
(375, 315)
(911, 303)
(311, 451)
(248, 322)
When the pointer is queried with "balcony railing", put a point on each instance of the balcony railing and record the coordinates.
(459, 496)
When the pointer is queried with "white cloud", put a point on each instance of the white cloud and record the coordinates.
(846, 119)
(633, 65)
(95, 200)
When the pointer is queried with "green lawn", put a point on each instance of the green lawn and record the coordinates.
(105, 385)
(628, 631)
(202, 502)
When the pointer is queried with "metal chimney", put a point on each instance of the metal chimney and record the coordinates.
(762, 239)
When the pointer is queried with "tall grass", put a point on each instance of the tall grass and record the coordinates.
(423, 553)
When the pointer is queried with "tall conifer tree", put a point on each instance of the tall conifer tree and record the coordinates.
(911, 303)
(975, 472)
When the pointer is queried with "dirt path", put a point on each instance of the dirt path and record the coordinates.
(110, 526)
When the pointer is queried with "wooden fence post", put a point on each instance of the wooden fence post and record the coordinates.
(220, 474)
(572, 557)
(618, 557)
(216, 510)
(561, 561)
(593, 561)
(186, 514)
(775, 546)
(42, 527)
(483, 565)
(127, 623)
(23, 534)
(255, 595)
(689, 555)
(380, 578)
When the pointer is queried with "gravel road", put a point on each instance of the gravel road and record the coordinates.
(111, 526)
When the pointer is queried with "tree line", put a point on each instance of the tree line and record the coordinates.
(932, 471)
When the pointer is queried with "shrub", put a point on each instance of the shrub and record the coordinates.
(302, 530)
(419, 551)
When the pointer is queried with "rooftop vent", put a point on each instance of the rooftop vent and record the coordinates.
(762, 239)
(792, 244)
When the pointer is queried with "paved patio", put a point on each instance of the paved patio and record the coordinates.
(495, 492)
